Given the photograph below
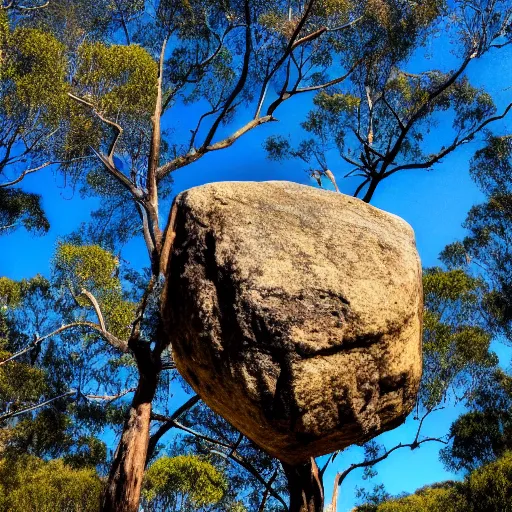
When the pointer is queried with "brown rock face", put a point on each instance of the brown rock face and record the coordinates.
(295, 313)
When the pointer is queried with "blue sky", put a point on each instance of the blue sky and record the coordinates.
(435, 203)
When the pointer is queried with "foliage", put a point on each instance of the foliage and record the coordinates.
(183, 483)
(483, 434)
(117, 78)
(18, 207)
(131, 67)
(33, 484)
(243, 486)
(488, 489)
(33, 100)
(38, 373)
(486, 249)
(456, 344)
(380, 125)
(94, 269)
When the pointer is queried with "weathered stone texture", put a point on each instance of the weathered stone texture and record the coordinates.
(295, 313)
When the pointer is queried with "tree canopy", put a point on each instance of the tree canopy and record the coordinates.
(487, 489)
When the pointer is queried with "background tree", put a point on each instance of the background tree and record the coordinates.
(380, 124)
(32, 98)
(255, 478)
(479, 439)
(482, 435)
(487, 489)
(183, 483)
(33, 484)
(227, 55)
(485, 250)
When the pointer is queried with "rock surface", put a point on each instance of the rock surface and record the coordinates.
(295, 313)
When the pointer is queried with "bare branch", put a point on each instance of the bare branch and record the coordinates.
(110, 338)
(116, 173)
(24, 173)
(340, 477)
(168, 425)
(248, 467)
(38, 168)
(96, 306)
(39, 340)
(123, 23)
(154, 151)
(171, 422)
(241, 81)
(454, 145)
(393, 112)
(109, 398)
(13, 414)
(332, 179)
(193, 156)
(392, 153)
(13, 5)
(334, 81)
(266, 494)
(317, 33)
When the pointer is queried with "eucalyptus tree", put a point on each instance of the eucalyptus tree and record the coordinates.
(30, 110)
(485, 250)
(126, 67)
(34, 484)
(256, 479)
(482, 434)
(183, 483)
(380, 125)
(48, 393)
(34, 70)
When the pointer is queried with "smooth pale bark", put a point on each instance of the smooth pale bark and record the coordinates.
(334, 502)
(305, 487)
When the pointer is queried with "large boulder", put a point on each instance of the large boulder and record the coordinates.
(295, 313)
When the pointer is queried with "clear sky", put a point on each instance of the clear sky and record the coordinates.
(435, 203)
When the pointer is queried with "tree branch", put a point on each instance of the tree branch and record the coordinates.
(38, 168)
(454, 145)
(9, 415)
(193, 156)
(168, 425)
(13, 5)
(241, 81)
(100, 116)
(109, 398)
(24, 173)
(248, 467)
(334, 81)
(266, 494)
(110, 338)
(96, 306)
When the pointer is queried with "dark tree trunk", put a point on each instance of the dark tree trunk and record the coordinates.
(371, 189)
(122, 493)
(305, 487)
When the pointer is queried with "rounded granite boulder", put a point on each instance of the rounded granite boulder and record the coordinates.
(295, 313)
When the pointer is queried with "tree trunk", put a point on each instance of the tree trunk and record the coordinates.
(371, 189)
(122, 493)
(305, 487)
